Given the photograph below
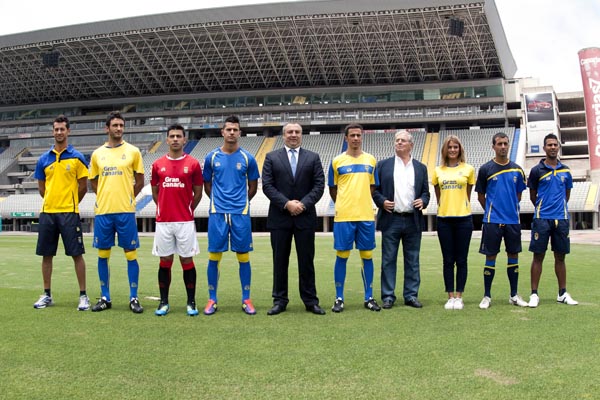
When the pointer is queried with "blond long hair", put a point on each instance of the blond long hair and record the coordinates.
(461, 150)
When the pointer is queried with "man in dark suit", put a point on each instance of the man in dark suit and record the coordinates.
(293, 179)
(402, 194)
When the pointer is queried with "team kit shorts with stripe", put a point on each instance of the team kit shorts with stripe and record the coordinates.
(554, 230)
(175, 238)
(68, 226)
(492, 235)
(347, 233)
(224, 229)
(123, 224)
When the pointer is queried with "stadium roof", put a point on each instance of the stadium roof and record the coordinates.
(301, 44)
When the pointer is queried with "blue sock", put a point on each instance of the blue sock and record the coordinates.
(245, 279)
(512, 271)
(133, 273)
(488, 276)
(104, 275)
(367, 275)
(339, 276)
(212, 274)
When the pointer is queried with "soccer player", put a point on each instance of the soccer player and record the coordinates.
(230, 180)
(351, 182)
(499, 186)
(177, 190)
(117, 176)
(550, 183)
(62, 182)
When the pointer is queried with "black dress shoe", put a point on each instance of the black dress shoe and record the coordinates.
(315, 309)
(277, 309)
(388, 304)
(413, 303)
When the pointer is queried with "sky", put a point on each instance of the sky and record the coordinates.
(544, 35)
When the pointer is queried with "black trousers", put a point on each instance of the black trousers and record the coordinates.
(281, 243)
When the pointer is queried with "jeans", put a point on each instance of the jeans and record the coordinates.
(403, 229)
(454, 234)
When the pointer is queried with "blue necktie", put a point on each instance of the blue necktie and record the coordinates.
(293, 161)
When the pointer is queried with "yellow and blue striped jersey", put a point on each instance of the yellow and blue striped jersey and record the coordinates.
(353, 177)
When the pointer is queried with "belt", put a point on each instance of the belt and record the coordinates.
(403, 214)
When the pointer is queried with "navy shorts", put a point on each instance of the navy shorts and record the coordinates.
(68, 226)
(123, 224)
(492, 235)
(345, 234)
(554, 230)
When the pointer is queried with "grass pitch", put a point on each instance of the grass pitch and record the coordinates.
(501, 353)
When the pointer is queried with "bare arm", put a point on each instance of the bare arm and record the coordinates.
(436, 189)
(532, 196)
(207, 188)
(42, 188)
(252, 188)
(481, 199)
(94, 184)
(568, 195)
(197, 196)
(155, 190)
(82, 188)
(139, 184)
(333, 192)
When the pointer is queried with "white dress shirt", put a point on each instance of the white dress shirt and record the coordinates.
(404, 185)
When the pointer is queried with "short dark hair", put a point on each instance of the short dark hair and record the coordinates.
(61, 118)
(232, 119)
(550, 136)
(114, 115)
(175, 127)
(499, 135)
(352, 126)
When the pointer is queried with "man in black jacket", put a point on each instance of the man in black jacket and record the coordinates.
(293, 180)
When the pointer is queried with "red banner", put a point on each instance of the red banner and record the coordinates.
(589, 60)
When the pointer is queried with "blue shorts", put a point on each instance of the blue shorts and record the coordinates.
(555, 230)
(123, 224)
(223, 228)
(345, 234)
(68, 226)
(492, 235)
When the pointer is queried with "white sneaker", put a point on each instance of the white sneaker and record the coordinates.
(486, 303)
(534, 300)
(458, 303)
(517, 300)
(450, 304)
(43, 302)
(566, 299)
(84, 303)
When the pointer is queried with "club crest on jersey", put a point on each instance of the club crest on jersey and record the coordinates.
(163, 169)
(123, 157)
(536, 236)
(238, 166)
(217, 164)
(514, 179)
(68, 167)
(185, 170)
